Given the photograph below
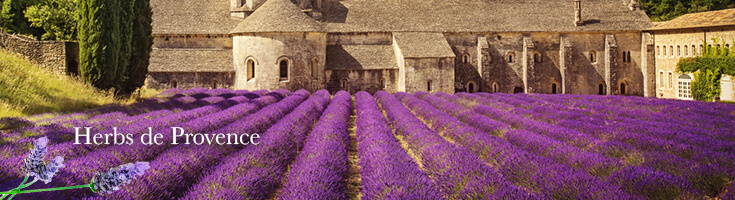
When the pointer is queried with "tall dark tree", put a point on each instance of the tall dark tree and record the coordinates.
(101, 43)
(142, 43)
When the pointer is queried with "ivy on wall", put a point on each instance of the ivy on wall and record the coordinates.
(708, 70)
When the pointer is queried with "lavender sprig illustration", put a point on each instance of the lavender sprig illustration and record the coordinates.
(34, 166)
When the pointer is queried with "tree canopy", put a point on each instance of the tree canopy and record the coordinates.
(663, 10)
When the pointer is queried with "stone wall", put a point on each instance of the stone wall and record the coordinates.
(59, 57)
(165, 80)
(673, 45)
(362, 80)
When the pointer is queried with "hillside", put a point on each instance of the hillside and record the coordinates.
(27, 89)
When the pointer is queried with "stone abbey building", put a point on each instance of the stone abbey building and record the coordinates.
(532, 46)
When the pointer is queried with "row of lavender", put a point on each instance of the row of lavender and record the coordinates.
(410, 146)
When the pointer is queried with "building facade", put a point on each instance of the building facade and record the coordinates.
(685, 37)
(573, 47)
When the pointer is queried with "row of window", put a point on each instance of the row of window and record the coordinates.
(684, 51)
(592, 55)
(555, 89)
(284, 65)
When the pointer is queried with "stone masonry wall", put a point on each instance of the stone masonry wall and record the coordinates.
(59, 57)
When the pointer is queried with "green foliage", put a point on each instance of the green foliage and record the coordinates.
(708, 70)
(141, 44)
(662, 10)
(27, 89)
(115, 41)
(57, 18)
(13, 20)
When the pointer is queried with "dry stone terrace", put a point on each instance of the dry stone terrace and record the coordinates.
(398, 146)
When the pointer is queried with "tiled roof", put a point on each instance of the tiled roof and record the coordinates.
(192, 17)
(191, 60)
(278, 16)
(480, 16)
(423, 45)
(698, 20)
(353, 57)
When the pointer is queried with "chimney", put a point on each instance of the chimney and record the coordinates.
(577, 13)
(633, 5)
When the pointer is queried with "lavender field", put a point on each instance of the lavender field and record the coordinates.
(395, 146)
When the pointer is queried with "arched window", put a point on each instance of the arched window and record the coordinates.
(428, 85)
(658, 50)
(661, 79)
(472, 87)
(678, 51)
(694, 50)
(553, 88)
(250, 68)
(315, 68)
(701, 49)
(626, 56)
(538, 58)
(283, 67)
(174, 84)
(671, 50)
(622, 88)
(601, 89)
(671, 80)
(465, 58)
(510, 57)
(686, 51)
(593, 56)
(496, 87)
(345, 84)
(685, 87)
(665, 51)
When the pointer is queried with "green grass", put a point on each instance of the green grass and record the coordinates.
(27, 89)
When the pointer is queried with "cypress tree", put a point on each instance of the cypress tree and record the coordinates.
(141, 46)
(100, 43)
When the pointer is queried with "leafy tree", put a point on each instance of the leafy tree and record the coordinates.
(662, 10)
(13, 20)
(57, 18)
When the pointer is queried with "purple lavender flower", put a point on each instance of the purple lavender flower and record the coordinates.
(116, 177)
(34, 165)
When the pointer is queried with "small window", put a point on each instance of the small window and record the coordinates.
(593, 56)
(671, 80)
(315, 68)
(496, 87)
(661, 80)
(511, 56)
(428, 86)
(701, 49)
(538, 58)
(694, 50)
(678, 51)
(174, 84)
(283, 70)
(472, 87)
(686, 51)
(671, 50)
(214, 85)
(345, 84)
(465, 58)
(250, 69)
(382, 84)
(658, 50)
(622, 88)
(601, 89)
(665, 51)
(553, 88)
